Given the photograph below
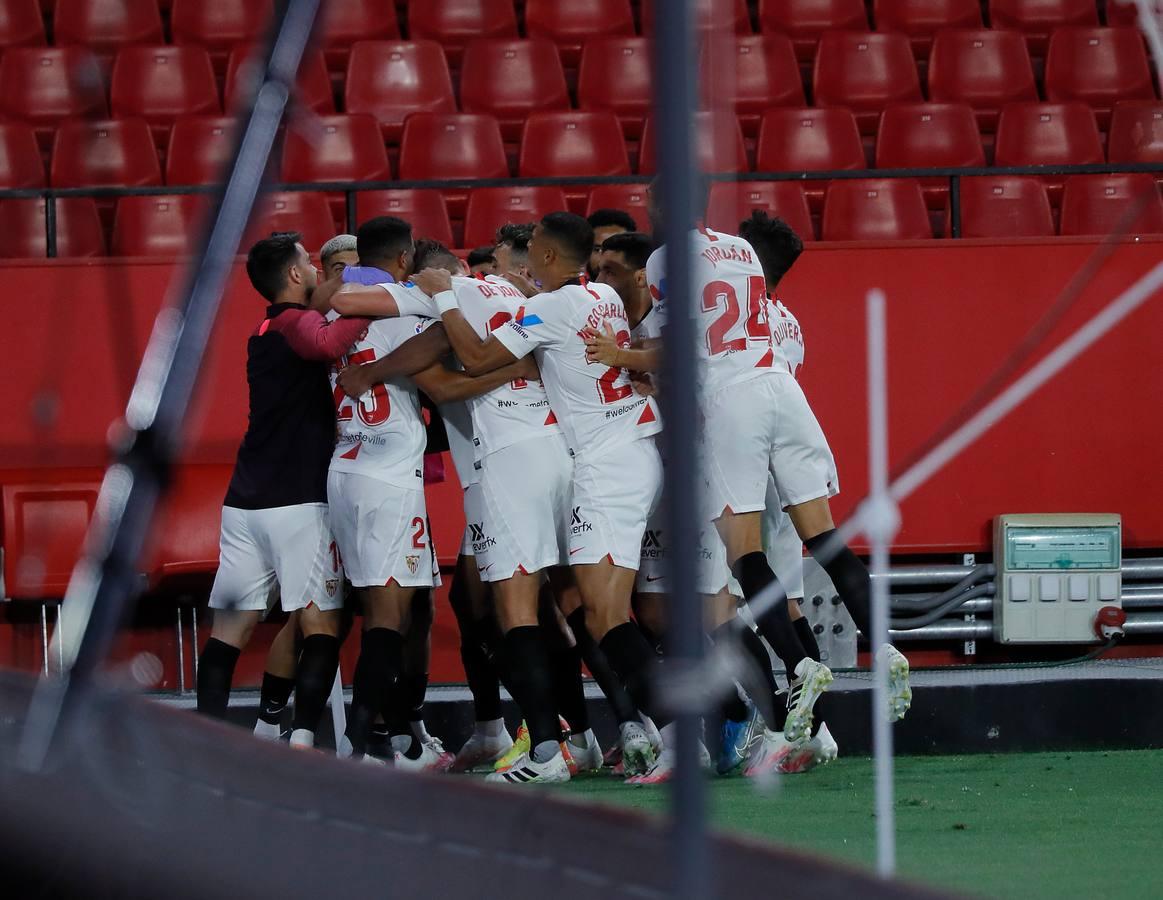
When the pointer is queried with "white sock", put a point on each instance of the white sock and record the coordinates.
(545, 751)
(669, 735)
(401, 743)
(344, 750)
(651, 730)
(583, 740)
(271, 731)
(492, 728)
(420, 731)
(301, 737)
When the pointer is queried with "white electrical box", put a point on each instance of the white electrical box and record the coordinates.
(1054, 573)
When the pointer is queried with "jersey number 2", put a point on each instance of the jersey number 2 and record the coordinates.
(381, 405)
(610, 392)
(756, 326)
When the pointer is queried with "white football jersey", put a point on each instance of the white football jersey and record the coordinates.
(458, 427)
(382, 434)
(650, 328)
(786, 336)
(597, 406)
(731, 307)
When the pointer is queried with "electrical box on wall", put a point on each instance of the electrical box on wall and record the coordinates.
(1054, 573)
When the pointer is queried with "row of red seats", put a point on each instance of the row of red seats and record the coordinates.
(106, 25)
(583, 144)
(857, 209)
(512, 79)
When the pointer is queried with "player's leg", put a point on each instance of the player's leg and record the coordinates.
(238, 598)
(381, 659)
(315, 673)
(561, 599)
(278, 680)
(412, 746)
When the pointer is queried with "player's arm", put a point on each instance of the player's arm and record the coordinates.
(444, 385)
(478, 357)
(381, 301)
(601, 347)
(413, 356)
(313, 337)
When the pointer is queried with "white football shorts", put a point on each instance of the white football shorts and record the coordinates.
(288, 548)
(759, 426)
(526, 490)
(382, 531)
(614, 496)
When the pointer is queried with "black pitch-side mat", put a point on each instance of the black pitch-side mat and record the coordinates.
(150, 802)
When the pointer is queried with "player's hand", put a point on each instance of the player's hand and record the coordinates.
(522, 282)
(433, 281)
(354, 381)
(601, 347)
(643, 384)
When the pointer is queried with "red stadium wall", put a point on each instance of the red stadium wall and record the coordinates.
(956, 311)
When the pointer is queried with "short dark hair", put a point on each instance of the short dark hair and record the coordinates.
(774, 242)
(481, 255)
(604, 218)
(268, 260)
(382, 238)
(634, 245)
(516, 234)
(430, 253)
(572, 233)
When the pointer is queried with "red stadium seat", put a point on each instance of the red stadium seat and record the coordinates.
(730, 203)
(630, 198)
(1005, 206)
(929, 135)
(511, 79)
(809, 140)
(921, 19)
(490, 208)
(162, 84)
(199, 147)
(157, 225)
(44, 529)
(1037, 18)
(312, 83)
(571, 25)
(453, 23)
(865, 73)
(342, 23)
(707, 14)
(875, 209)
(344, 148)
(104, 26)
(986, 69)
(109, 152)
(307, 212)
(762, 73)
(45, 85)
(616, 75)
(718, 140)
(439, 145)
(572, 143)
(1098, 66)
(1122, 12)
(805, 20)
(20, 162)
(392, 79)
(79, 231)
(218, 25)
(185, 541)
(22, 24)
(1126, 203)
(1047, 134)
(1136, 132)
(426, 211)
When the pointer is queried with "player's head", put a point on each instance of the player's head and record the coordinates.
(774, 242)
(606, 222)
(560, 248)
(657, 206)
(386, 243)
(482, 261)
(622, 264)
(280, 268)
(337, 254)
(512, 250)
(432, 254)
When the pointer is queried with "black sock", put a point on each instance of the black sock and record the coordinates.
(654, 640)
(733, 708)
(314, 677)
(531, 676)
(565, 663)
(215, 673)
(482, 677)
(635, 662)
(599, 666)
(381, 657)
(808, 638)
(754, 574)
(849, 576)
(379, 741)
(414, 687)
(276, 691)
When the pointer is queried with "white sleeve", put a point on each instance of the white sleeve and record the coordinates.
(411, 301)
(542, 321)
